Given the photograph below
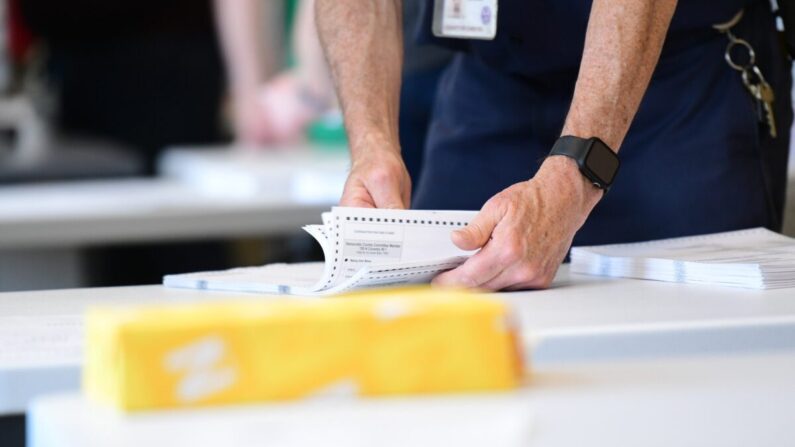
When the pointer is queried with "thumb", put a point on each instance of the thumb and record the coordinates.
(477, 233)
(356, 196)
(390, 202)
(387, 196)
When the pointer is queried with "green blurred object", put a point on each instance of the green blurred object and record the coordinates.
(328, 132)
(290, 10)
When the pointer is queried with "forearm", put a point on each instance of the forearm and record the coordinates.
(240, 30)
(312, 70)
(622, 47)
(362, 40)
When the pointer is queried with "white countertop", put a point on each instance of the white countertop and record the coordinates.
(580, 318)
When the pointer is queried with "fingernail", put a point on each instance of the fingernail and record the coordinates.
(463, 236)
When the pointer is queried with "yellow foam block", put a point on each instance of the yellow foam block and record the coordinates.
(400, 342)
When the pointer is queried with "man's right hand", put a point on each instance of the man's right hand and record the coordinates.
(378, 179)
(363, 42)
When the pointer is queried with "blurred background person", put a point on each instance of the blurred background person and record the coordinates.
(271, 103)
(280, 109)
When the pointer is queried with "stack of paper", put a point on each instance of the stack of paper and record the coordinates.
(755, 258)
(362, 248)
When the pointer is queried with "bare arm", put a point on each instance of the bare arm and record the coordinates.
(291, 100)
(622, 47)
(312, 68)
(363, 44)
(240, 30)
(525, 230)
(364, 47)
(249, 56)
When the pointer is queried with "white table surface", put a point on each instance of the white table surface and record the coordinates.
(581, 318)
(586, 317)
(115, 211)
(722, 401)
(202, 194)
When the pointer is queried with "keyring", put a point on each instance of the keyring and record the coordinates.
(727, 26)
(757, 73)
(751, 54)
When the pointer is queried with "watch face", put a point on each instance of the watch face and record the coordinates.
(602, 162)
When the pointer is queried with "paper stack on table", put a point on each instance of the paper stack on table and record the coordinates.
(755, 258)
(362, 248)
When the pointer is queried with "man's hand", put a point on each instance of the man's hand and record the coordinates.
(378, 179)
(524, 231)
(363, 41)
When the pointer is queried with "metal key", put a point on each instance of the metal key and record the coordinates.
(763, 93)
(754, 82)
(766, 97)
(753, 89)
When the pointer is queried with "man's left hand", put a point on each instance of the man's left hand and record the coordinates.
(524, 232)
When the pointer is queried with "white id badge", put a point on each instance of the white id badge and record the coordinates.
(465, 19)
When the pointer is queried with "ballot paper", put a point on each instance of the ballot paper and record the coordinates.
(362, 248)
(755, 258)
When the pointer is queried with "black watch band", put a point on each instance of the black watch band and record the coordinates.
(597, 162)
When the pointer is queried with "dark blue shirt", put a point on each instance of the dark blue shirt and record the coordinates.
(540, 37)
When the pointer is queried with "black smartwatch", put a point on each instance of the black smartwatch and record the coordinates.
(597, 162)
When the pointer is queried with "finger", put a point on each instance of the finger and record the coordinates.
(542, 280)
(387, 196)
(407, 197)
(478, 232)
(520, 278)
(358, 198)
(383, 185)
(357, 203)
(477, 270)
(516, 275)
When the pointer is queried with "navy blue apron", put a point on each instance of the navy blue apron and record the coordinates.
(695, 160)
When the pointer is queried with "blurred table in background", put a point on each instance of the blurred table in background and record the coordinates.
(305, 175)
(201, 194)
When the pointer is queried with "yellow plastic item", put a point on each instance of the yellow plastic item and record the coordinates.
(379, 343)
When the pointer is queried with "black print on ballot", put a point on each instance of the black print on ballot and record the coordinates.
(367, 241)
